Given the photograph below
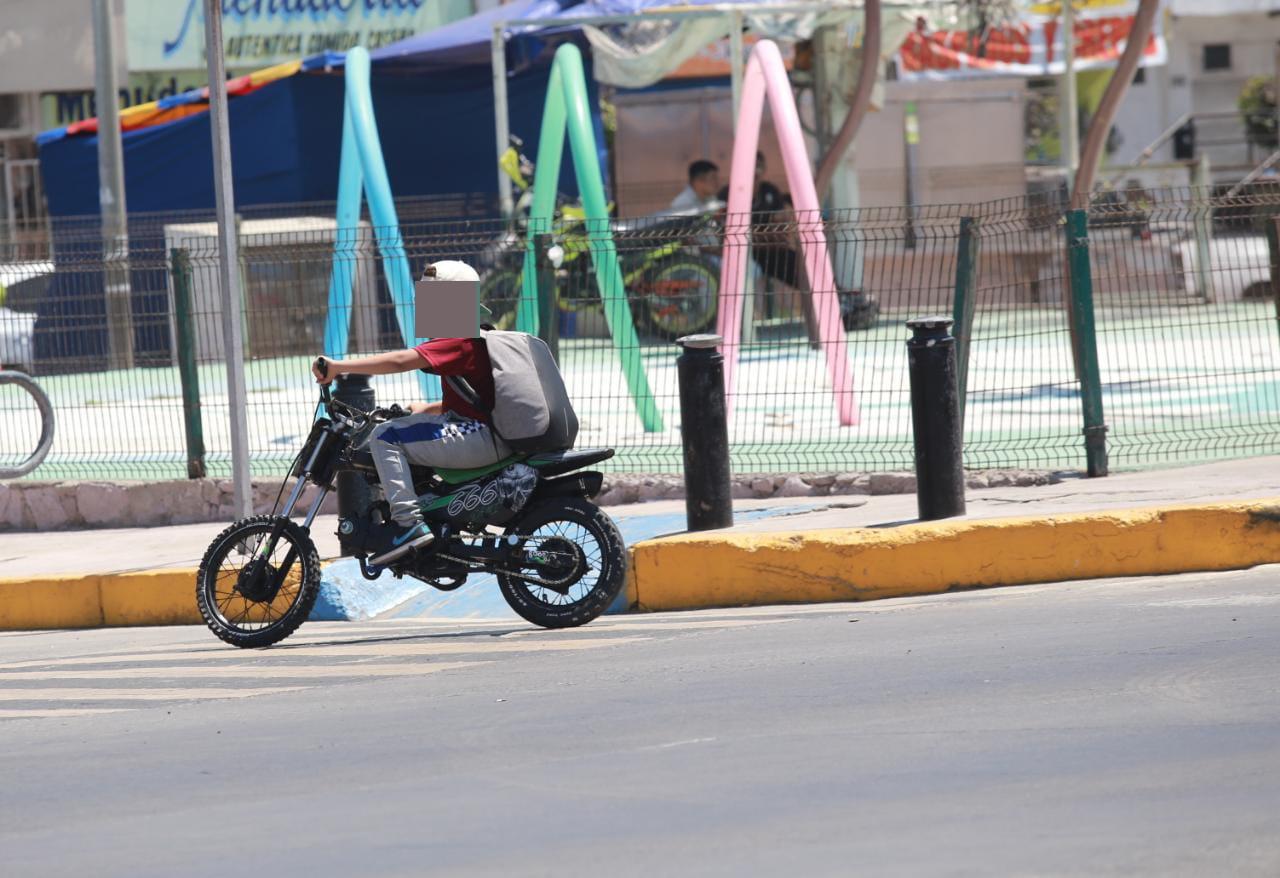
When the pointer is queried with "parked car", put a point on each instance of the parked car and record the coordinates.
(1239, 266)
(17, 313)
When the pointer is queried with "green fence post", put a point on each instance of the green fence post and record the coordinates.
(1273, 248)
(963, 308)
(186, 356)
(548, 296)
(1086, 342)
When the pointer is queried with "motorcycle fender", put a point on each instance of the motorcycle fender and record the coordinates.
(581, 484)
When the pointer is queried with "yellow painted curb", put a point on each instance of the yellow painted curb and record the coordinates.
(698, 570)
(159, 597)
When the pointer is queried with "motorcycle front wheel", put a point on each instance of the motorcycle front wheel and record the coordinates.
(571, 563)
(249, 597)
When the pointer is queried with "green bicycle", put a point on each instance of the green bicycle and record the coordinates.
(673, 287)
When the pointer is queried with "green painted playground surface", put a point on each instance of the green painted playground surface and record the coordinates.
(1180, 385)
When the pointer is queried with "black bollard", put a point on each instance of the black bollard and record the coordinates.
(354, 491)
(935, 416)
(704, 432)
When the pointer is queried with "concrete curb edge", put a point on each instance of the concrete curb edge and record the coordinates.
(696, 571)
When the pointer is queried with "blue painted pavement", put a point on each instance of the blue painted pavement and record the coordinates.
(345, 595)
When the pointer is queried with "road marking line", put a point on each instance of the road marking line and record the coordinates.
(349, 669)
(319, 638)
(692, 624)
(53, 712)
(336, 650)
(168, 694)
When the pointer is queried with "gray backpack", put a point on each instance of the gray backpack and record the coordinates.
(531, 409)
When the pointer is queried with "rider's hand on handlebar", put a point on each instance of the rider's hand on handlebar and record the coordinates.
(323, 370)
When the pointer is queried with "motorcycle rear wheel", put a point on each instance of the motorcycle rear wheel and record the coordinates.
(572, 542)
(681, 297)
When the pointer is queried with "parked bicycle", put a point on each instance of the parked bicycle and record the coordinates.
(35, 452)
(672, 285)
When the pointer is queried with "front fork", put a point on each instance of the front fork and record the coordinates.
(269, 546)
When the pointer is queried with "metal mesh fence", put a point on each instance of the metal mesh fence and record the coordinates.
(1188, 330)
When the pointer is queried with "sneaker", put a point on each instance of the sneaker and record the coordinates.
(394, 540)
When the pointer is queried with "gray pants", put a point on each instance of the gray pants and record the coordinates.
(428, 440)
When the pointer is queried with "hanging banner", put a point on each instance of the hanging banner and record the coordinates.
(169, 34)
(714, 60)
(1032, 47)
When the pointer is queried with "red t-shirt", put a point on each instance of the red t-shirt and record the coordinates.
(465, 357)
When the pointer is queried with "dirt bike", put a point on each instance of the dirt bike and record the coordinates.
(673, 286)
(529, 520)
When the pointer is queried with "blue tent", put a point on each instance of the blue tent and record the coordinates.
(433, 99)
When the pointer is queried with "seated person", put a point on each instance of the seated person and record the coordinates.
(446, 433)
(700, 194)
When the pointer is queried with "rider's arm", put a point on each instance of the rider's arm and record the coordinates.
(379, 364)
(427, 408)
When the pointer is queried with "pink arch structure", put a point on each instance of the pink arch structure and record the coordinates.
(765, 72)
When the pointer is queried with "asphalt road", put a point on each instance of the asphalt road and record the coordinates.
(1126, 726)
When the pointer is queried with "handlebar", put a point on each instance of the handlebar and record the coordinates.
(321, 365)
(357, 415)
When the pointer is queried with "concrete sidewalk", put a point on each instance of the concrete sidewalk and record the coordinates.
(779, 551)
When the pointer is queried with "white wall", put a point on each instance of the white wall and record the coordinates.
(47, 45)
(1183, 85)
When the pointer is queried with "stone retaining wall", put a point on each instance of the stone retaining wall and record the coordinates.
(27, 506)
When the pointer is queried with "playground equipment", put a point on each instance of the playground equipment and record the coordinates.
(362, 171)
(766, 74)
(567, 109)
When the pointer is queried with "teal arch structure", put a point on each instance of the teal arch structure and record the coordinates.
(363, 173)
(567, 108)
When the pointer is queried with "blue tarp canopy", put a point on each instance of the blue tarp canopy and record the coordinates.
(435, 122)
(465, 42)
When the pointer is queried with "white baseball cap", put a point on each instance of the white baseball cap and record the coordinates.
(453, 269)
(450, 269)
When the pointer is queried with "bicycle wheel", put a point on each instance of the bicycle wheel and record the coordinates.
(32, 444)
(249, 599)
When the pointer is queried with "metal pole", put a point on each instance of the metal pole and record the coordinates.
(1202, 195)
(964, 306)
(188, 374)
(935, 419)
(1070, 133)
(911, 137)
(111, 195)
(1273, 248)
(229, 263)
(704, 432)
(1086, 343)
(548, 298)
(500, 119)
(735, 62)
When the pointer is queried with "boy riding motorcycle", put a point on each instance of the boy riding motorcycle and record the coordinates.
(451, 432)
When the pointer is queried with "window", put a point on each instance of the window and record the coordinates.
(1217, 56)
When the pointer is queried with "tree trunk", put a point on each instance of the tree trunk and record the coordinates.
(1095, 140)
(867, 72)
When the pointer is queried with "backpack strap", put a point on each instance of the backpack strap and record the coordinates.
(463, 388)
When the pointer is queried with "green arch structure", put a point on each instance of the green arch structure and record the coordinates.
(567, 108)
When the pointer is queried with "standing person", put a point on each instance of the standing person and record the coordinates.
(700, 194)
(773, 235)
